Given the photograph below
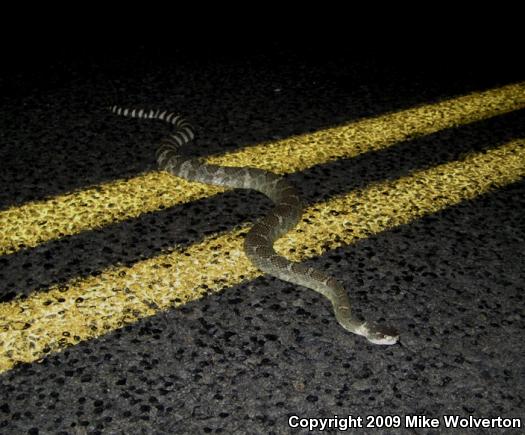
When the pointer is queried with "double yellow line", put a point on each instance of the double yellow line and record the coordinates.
(34, 223)
(89, 307)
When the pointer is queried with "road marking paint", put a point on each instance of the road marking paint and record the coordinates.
(33, 223)
(297, 153)
(89, 307)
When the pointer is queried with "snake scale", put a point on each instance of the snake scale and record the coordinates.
(259, 241)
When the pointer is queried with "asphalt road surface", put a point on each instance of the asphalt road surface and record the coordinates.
(127, 305)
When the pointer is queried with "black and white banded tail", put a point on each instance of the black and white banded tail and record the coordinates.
(183, 134)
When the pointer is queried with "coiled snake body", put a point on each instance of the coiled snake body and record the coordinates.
(259, 241)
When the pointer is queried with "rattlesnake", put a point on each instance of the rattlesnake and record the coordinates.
(259, 241)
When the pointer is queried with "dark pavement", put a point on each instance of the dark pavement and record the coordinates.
(246, 359)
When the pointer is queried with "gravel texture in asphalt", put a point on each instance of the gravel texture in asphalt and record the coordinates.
(245, 359)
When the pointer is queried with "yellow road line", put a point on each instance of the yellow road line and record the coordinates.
(89, 307)
(300, 152)
(37, 222)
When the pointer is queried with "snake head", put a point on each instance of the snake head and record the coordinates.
(380, 334)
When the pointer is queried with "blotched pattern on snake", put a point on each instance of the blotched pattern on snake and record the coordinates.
(259, 241)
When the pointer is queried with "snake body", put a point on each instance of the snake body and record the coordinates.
(259, 241)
